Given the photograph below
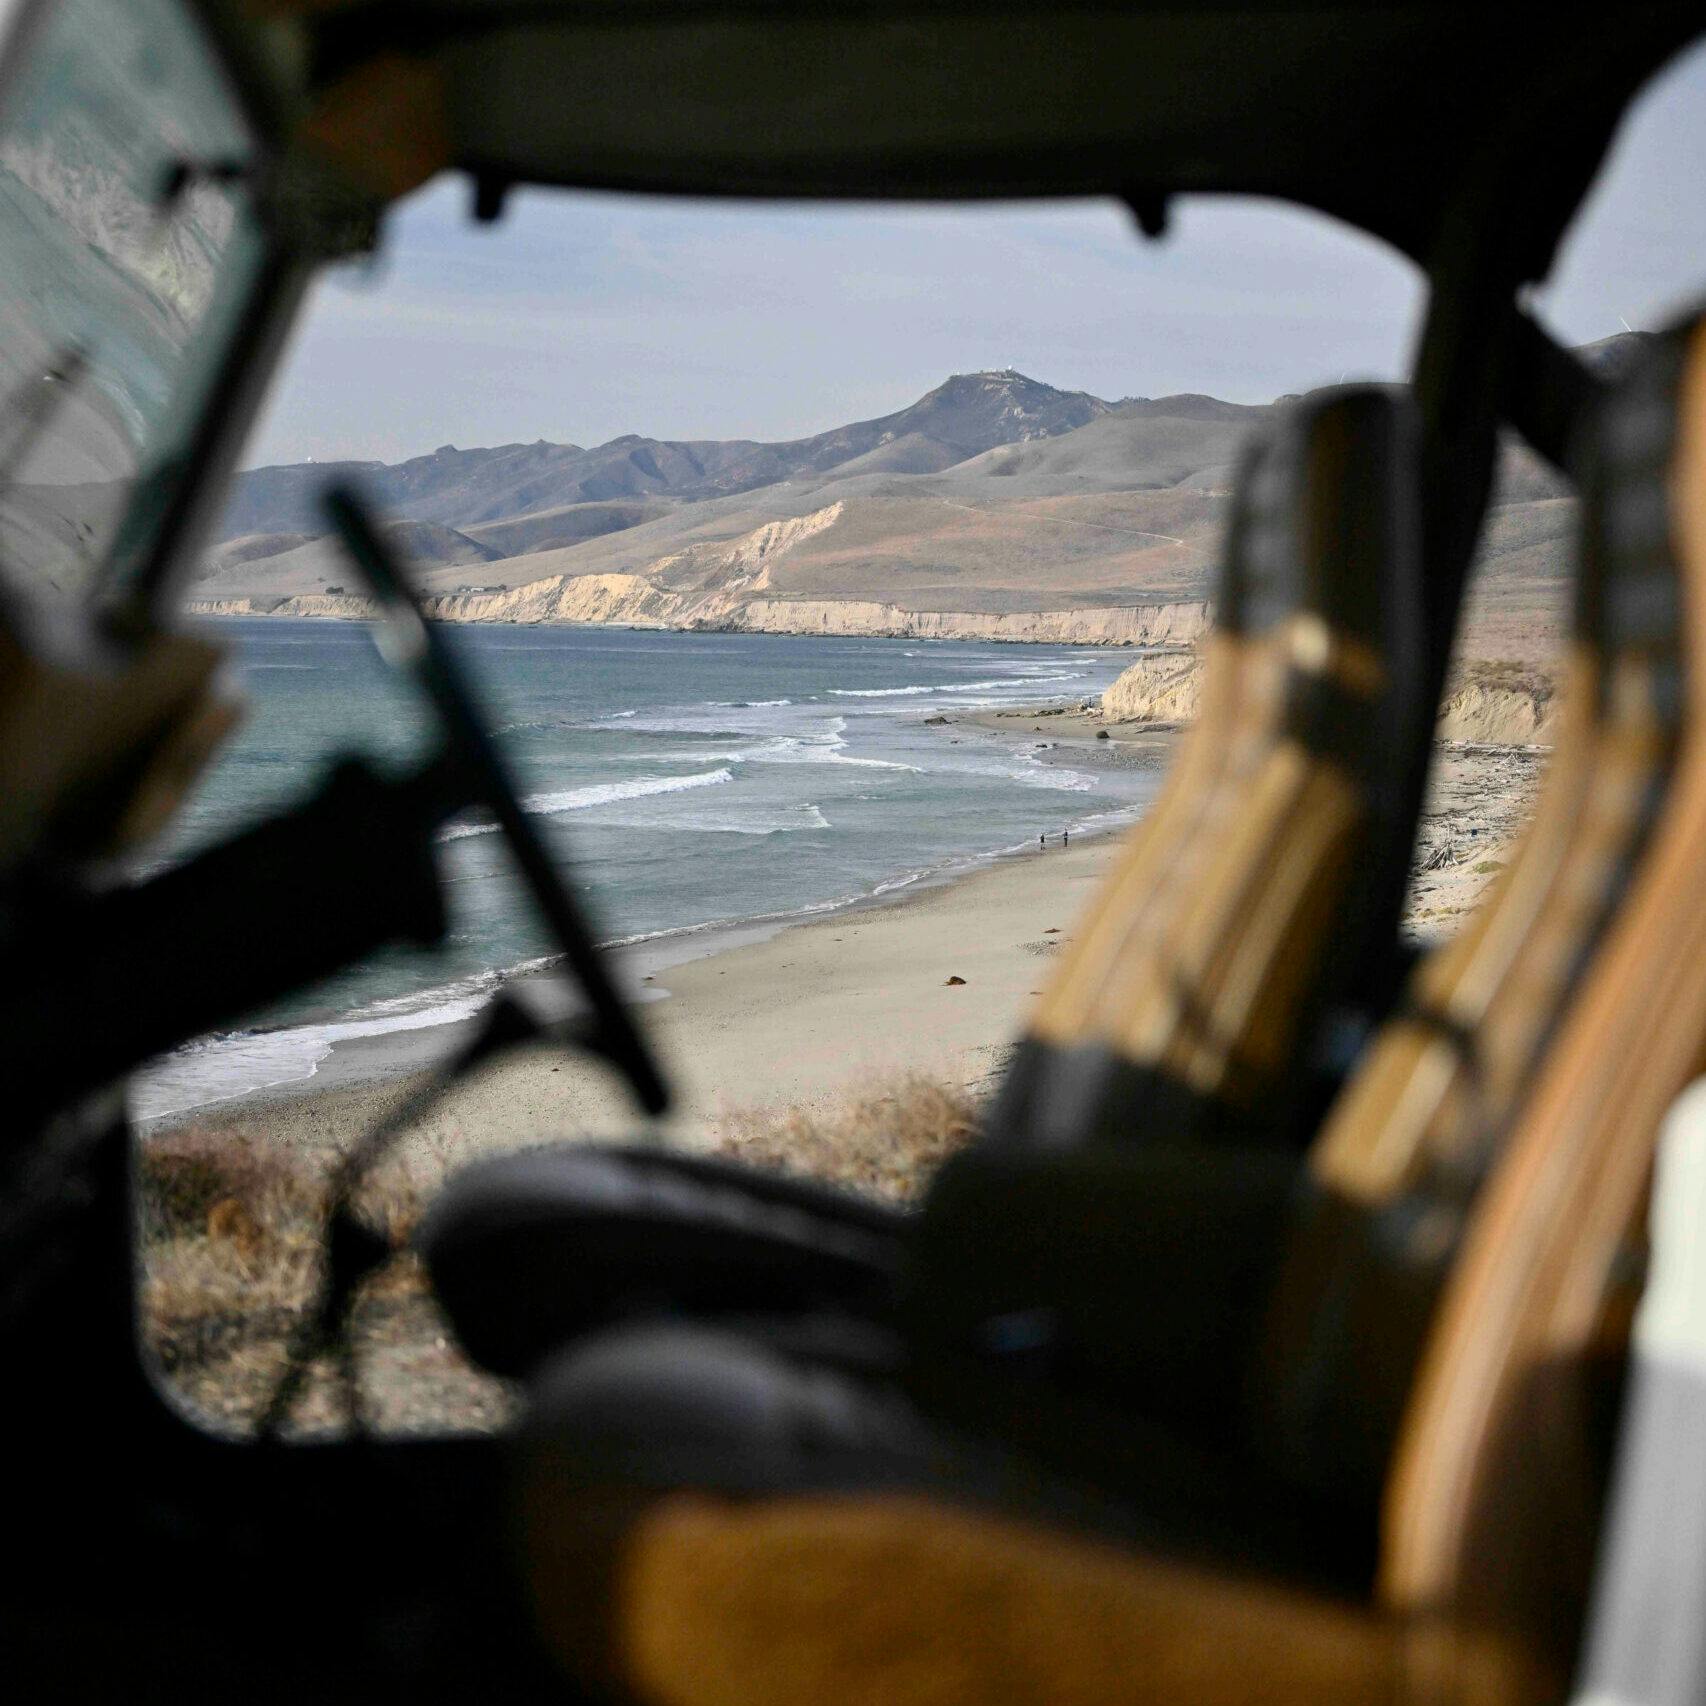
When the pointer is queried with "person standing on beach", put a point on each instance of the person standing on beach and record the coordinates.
(1066, 838)
(1041, 839)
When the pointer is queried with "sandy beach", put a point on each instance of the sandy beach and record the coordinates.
(839, 1004)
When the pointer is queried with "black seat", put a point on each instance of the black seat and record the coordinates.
(1170, 1011)
(529, 1250)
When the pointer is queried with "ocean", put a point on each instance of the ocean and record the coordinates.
(692, 782)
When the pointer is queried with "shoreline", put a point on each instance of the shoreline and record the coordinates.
(389, 1059)
(855, 999)
(1072, 728)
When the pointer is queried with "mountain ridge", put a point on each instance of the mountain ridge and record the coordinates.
(991, 498)
(964, 415)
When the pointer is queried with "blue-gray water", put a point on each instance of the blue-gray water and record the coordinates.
(694, 779)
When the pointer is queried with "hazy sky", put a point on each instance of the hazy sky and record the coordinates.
(581, 317)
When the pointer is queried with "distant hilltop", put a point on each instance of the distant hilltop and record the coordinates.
(995, 502)
(536, 484)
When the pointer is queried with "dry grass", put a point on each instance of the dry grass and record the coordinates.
(887, 1141)
(231, 1230)
(231, 1240)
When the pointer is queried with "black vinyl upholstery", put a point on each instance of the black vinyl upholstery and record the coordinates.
(530, 1250)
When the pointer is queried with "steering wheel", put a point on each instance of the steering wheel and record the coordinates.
(412, 644)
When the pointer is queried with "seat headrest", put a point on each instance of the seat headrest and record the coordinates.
(1324, 519)
(1249, 906)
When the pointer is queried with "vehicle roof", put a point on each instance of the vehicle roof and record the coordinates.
(1381, 115)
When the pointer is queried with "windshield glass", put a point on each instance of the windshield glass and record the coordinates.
(126, 243)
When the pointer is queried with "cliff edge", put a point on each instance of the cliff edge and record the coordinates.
(1486, 704)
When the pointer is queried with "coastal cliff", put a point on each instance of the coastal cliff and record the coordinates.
(1486, 704)
(634, 602)
(1164, 687)
(728, 586)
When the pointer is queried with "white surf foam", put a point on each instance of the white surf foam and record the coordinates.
(915, 690)
(224, 1067)
(599, 794)
(824, 744)
(829, 746)
(754, 819)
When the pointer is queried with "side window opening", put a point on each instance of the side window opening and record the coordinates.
(736, 514)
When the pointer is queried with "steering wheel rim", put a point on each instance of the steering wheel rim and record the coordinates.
(413, 645)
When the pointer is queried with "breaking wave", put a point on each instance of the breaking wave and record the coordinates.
(599, 794)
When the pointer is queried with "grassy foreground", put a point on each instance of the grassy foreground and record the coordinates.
(231, 1228)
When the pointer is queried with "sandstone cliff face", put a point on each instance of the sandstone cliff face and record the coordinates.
(728, 587)
(301, 604)
(582, 598)
(630, 602)
(741, 568)
(1162, 688)
(1127, 625)
(1522, 712)
(1488, 704)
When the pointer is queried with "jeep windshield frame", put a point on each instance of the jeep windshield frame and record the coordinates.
(138, 272)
